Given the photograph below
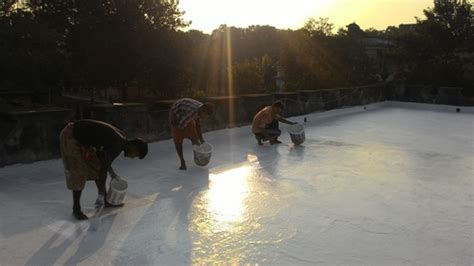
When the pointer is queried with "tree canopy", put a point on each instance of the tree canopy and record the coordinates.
(58, 44)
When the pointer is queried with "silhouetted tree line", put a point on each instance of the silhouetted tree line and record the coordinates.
(439, 49)
(54, 44)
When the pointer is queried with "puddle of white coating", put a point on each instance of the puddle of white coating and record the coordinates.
(389, 185)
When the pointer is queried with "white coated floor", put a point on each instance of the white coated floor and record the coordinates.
(390, 185)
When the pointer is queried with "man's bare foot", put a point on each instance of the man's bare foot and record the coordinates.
(183, 165)
(110, 205)
(259, 139)
(275, 141)
(79, 215)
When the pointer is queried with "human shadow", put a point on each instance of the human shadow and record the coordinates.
(268, 158)
(162, 233)
(49, 253)
(39, 192)
(92, 242)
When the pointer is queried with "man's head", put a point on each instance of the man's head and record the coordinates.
(277, 107)
(136, 148)
(206, 110)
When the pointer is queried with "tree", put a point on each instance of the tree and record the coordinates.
(30, 51)
(6, 6)
(248, 77)
(269, 69)
(319, 27)
(433, 52)
(450, 23)
(114, 43)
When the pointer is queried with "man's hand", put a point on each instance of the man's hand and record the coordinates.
(99, 202)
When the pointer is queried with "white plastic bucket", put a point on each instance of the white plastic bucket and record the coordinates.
(202, 154)
(297, 134)
(117, 191)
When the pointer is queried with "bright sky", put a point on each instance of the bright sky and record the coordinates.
(207, 15)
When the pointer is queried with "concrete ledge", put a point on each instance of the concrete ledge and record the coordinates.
(292, 102)
(228, 112)
(311, 100)
(252, 103)
(28, 136)
(429, 94)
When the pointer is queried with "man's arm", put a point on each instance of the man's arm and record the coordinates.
(197, 138)
(106, 160)
(283, 120)
(199, 131)
(112, 172)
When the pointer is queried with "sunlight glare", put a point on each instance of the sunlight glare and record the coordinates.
(207, 15)
(230, 78)
(279, 13)
(226, 195)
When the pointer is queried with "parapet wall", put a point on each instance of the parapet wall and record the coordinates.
(31, 136)
(430, 94)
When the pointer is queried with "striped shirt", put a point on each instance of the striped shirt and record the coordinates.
(184, 111)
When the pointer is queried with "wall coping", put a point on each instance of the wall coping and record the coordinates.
(308, 91)
(116, 105)
(256, 95)
(285, 93)
(223, 97)
(37, 112)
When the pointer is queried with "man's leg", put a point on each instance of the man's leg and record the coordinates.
(178, 137)
(179, 150)
(100, 183)
(76, 209)
(260, 138)
(274, 126)
(193, 132)
(274, 131)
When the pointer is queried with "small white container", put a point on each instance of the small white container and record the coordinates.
(297, 134)
(202, 154)
(117, 191)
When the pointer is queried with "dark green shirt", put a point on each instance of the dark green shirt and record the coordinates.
(107, 139)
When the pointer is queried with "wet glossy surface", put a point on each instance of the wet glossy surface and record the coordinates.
(385, 186)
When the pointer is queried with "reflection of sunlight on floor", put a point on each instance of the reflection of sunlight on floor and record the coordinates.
(226, 195)
(226, 219)
(252, 158)
(222, 212)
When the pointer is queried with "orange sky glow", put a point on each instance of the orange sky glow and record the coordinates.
(207, 15)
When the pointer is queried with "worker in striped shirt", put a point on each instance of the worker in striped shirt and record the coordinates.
(185, 116)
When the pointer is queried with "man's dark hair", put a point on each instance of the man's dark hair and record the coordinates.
(141, 146)
(207, 108)
(278, 104)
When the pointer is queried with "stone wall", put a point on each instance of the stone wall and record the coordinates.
(33, 136)
(429, 94)
(146, 121)
(28, 136)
